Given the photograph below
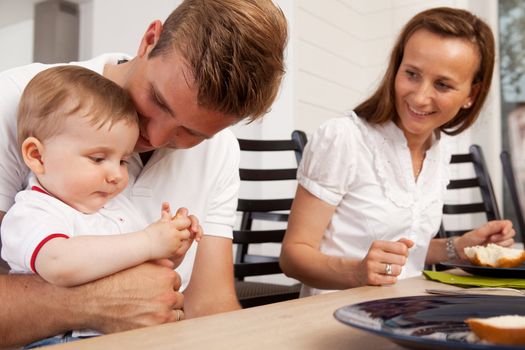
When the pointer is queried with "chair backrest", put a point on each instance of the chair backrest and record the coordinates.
(481, 181)
(512, 185)
(275, 209)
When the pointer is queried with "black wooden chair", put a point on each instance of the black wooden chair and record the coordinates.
(512, 185)
(256, 215)
(484, 205)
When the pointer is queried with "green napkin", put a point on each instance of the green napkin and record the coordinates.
(474, 281)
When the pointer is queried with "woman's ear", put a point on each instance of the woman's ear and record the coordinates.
(32, 150)
(474, 91)
(150, 38)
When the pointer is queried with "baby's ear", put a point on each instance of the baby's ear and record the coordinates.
(32, 150)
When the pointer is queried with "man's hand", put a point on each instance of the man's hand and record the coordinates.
(144, 295)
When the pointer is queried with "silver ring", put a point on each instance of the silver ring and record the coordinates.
(388, 269)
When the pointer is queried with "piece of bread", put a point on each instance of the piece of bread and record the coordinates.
(494, 255)
(507, 329)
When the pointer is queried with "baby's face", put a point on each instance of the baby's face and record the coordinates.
(86, 165)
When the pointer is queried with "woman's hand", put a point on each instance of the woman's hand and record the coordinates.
(497, 231)
(384, 262)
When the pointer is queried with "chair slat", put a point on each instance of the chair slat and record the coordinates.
(267, 174)
(463, 183)
(461, 158)
(464, 208)
(256, 269)
(259, 236)
(264, 204)
(267, 145)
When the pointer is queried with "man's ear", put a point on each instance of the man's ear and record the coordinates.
(150, 38)
(32, 150)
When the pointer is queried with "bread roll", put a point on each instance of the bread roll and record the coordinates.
(494, 255)
(508, 329)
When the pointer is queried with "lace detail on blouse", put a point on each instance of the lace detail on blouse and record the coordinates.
(393, 166)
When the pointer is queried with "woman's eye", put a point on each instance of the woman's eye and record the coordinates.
(124, 162)
(410, 74)
(442, 86)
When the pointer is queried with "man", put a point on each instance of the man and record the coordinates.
(210, 65)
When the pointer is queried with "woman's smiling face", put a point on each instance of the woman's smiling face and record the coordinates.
(433, 82)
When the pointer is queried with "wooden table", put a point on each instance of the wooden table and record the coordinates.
(306, 323)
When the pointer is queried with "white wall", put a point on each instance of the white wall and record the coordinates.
(118, 25)
(16, 41)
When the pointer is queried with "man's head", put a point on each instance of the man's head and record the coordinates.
(211, 64)
(77, 130)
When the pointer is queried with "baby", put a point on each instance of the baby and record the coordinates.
(73, 224)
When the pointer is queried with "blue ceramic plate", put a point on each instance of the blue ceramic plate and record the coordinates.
(503, 272)
(430, 322)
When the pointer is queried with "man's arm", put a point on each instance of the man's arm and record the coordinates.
(211, 289)
(31, 309)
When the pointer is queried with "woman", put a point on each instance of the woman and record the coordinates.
(371, 184)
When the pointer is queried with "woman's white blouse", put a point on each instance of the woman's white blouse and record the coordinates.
(365, 171)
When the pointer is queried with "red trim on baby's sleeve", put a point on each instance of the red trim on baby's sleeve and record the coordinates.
(41, 244)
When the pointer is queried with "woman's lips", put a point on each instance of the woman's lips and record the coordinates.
(418, 113)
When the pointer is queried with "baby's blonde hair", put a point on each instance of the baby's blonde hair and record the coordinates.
(64, 91)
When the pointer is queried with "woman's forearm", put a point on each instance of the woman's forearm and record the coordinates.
(318, 270)
(301, 257)
(437, 251)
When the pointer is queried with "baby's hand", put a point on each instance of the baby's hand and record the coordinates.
(167, 237)
(194, 228)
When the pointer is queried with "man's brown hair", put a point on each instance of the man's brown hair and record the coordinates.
(235, 50)
(448, 23)
(57, 93)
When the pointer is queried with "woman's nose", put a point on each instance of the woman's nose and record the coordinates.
(423, 94)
